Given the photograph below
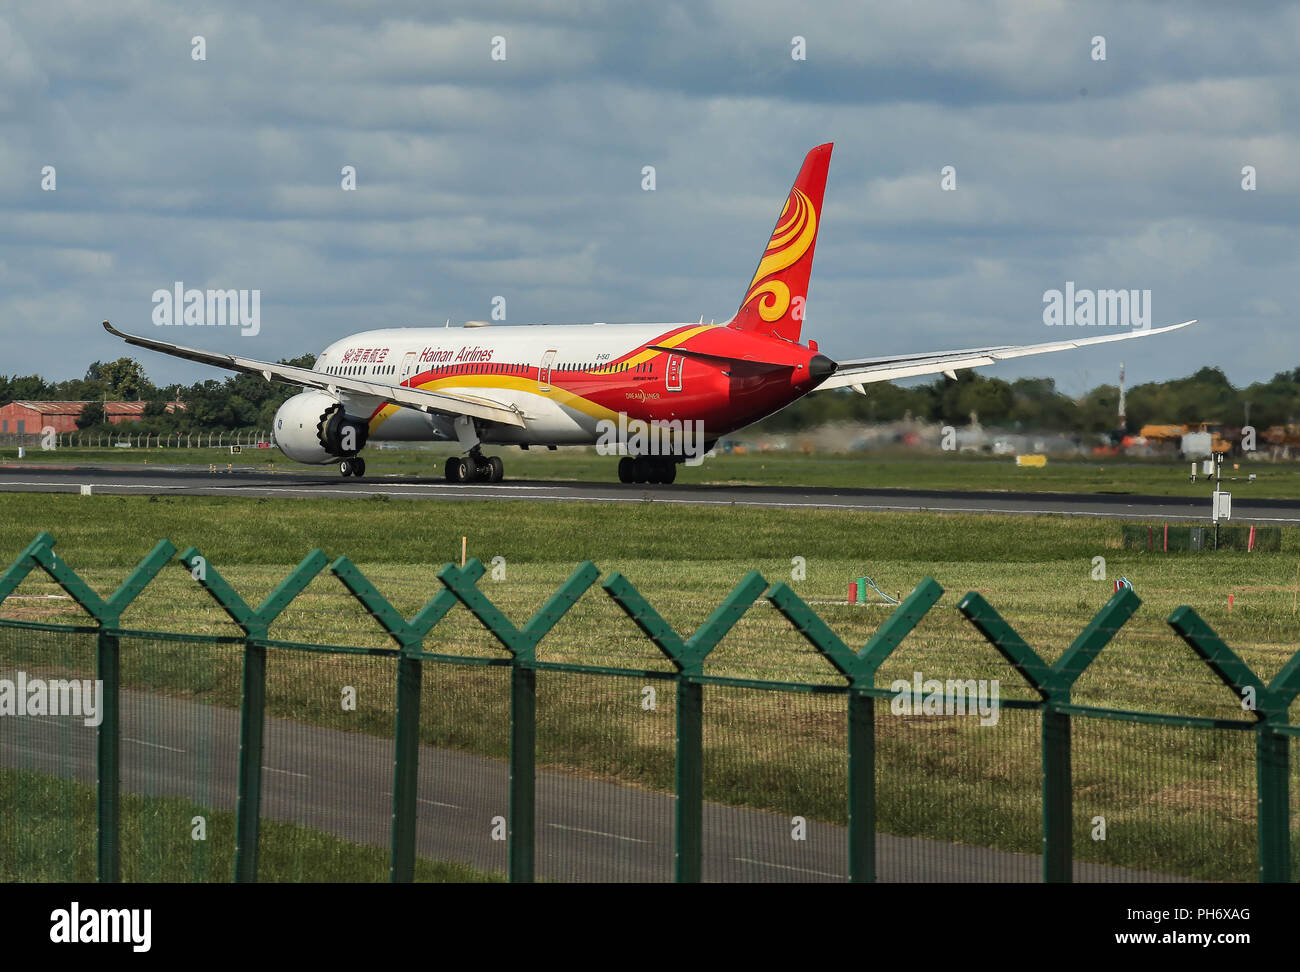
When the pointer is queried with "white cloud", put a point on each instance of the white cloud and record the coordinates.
(523, 177)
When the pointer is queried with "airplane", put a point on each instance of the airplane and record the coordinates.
(656, 395)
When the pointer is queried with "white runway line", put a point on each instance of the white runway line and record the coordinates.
(273, 769)
(17, 482)
(510, 492)
(436, 803)
(789, 867)
(598, 833)
(142, 742)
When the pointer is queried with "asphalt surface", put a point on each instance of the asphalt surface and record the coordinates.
(189, 480)
(341, 783)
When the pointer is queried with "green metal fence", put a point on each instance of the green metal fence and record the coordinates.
(504, 761)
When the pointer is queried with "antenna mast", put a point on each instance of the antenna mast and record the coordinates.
(1122, 423)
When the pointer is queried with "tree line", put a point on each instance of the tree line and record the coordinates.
(237, 402)
(1036, 404)
(249, 401)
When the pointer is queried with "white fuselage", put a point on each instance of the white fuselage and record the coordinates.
(558, 376)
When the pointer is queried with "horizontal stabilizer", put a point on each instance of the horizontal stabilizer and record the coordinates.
(866, 370)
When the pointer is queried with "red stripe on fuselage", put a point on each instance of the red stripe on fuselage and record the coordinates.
(762, 376)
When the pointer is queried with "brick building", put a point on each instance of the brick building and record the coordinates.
(19, 418)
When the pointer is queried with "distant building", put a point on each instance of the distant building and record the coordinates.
(1199, 441)
(1196, 445)
(29, 418)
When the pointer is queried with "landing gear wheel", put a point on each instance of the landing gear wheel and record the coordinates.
(345, 467)
(464, 470)
(449, 470)
(640, 469)
(626, 470)
(669, 472)
(498, 469)
(358, 467)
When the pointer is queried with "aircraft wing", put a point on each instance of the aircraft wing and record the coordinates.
(862, 371)
(426, 401)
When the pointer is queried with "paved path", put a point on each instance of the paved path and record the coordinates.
(341, 783)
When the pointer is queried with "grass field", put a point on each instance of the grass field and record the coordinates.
(896, 470)
(47, 834)
(1177, 800)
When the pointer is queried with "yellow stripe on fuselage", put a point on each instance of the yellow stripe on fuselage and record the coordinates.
(453, 383)
(647, 354)
(487, 383)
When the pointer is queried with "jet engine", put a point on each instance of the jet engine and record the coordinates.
(313, 427)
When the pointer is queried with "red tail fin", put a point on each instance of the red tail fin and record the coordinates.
(774, 303)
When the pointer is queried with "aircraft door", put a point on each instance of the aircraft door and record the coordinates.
(544, 372)
(408, 366)
(673, 373)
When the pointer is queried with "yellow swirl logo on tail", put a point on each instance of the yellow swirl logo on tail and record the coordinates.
(794, 233)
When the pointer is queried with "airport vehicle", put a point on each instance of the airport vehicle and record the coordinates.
(654, 394)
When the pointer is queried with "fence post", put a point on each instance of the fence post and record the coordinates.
(860, 669)
(252, 706)
(1272, 782)
(862, 787)
(252, 726)
(406, 767)
(108, 765)
(1053, 684)
(522, 805)
(522, 645)
(688, 854)
(1057, 840)
(1269, 703)
(107, 615)
(688, 658)
(410, 676)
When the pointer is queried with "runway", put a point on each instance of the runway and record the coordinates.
(164, 480)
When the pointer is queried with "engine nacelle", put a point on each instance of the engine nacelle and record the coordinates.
(313, 428)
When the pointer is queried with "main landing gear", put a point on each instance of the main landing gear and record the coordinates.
(356, 466)
(647, 469)
(474, 468)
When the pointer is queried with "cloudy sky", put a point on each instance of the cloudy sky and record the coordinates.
(522, 177)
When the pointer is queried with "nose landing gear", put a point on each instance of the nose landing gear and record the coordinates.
(356, 466)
